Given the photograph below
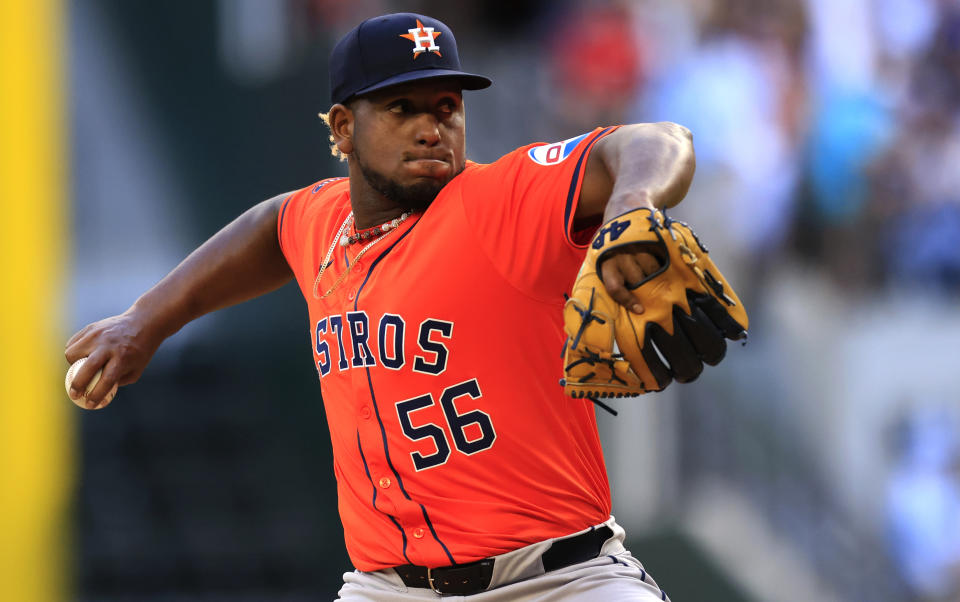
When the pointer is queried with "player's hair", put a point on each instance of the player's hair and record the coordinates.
(333, 145)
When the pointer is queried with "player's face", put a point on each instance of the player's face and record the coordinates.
(409, 140)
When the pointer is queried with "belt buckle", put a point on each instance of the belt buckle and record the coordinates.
(430, 581)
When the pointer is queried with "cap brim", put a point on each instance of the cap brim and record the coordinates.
(468, 81)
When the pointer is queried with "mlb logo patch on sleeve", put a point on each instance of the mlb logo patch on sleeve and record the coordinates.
(552, 154)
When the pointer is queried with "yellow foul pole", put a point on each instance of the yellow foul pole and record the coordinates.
(35, 415)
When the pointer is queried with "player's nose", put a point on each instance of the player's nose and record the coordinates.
(427, 129)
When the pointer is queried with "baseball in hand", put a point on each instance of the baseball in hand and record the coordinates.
(82, 400)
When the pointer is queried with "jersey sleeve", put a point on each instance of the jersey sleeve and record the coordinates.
(290, 242)
(290, 231)
(521, 207)
(302, 217)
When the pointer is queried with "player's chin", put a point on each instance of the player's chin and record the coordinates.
(419, 194)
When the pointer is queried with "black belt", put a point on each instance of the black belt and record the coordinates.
(474, 577)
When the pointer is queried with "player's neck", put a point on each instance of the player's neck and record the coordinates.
(370, 207)
(368, 212)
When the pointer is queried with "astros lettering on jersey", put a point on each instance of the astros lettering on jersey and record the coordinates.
(431, 434)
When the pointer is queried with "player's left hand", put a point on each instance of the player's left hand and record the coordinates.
(686, 309)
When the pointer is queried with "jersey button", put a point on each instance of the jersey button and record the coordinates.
(358, 265)
(352, 294)
(365, 412)
(418, 533)
(384, 482)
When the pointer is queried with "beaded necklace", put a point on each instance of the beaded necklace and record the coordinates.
(373, 232)
(344, 240)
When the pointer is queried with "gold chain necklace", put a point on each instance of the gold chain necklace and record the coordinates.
(343, 240)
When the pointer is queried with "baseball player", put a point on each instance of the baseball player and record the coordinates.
(436, 291)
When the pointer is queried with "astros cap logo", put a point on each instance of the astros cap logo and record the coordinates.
(372, 56)
(423, 38)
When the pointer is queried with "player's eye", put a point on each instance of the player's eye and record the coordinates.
(399, 107)
(447, 105)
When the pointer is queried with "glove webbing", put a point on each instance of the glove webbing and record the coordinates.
(587, 316)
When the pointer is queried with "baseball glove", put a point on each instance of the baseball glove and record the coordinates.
(689, 309)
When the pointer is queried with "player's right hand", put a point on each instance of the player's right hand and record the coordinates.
(121, 345)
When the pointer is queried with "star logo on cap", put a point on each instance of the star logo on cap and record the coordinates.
(423, 38)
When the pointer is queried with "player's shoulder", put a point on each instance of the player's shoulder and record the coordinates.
(312, 202)
(319, 193)
(326, 188)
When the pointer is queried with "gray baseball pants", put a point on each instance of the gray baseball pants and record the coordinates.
(518, 576)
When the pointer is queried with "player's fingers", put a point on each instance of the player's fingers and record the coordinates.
(84, 375)
(103, 392)
(77, 335)
(130, 366)
(107, 398)
(130, 376)
(633, 272)
(636, 263)
(80, 345)
(650, 264)
(613, 281)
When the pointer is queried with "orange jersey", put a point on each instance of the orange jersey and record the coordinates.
(439, 359)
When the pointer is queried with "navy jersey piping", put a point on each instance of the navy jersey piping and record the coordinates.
(283, 213)
(435, 536)
(376, 409)
(577, 176)
(374, 502)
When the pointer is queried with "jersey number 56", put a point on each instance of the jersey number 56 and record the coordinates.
(472, 431)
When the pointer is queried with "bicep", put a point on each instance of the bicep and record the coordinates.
(266, 217)
(246, 250)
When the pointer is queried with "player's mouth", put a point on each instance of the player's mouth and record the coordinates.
(429, 167)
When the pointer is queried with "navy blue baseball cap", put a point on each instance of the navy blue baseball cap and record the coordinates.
(394, 49)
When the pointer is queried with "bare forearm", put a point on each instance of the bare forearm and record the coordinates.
(647, 165)
(653, 168)
(242, 261)
(641, 165)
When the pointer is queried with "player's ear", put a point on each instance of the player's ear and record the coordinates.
(341, 127)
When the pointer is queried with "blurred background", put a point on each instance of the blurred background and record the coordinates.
(820, 462)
